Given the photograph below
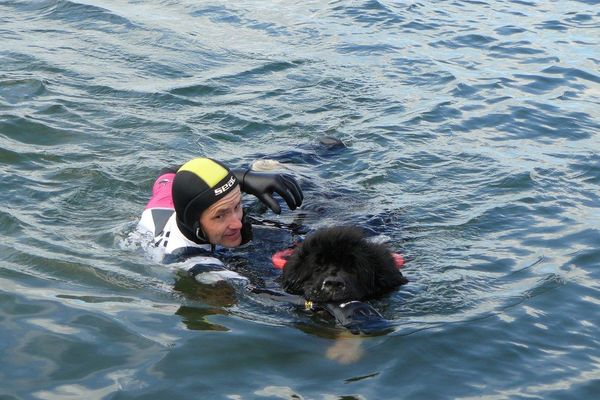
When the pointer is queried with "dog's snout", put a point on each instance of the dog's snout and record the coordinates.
(333, 283)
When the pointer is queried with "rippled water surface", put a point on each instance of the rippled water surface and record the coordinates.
(472, 147)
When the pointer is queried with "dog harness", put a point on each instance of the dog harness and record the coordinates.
(356, 316)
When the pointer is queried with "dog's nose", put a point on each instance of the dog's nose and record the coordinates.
(333, 283)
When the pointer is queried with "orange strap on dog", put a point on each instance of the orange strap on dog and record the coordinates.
(280, 258)
(398, 259)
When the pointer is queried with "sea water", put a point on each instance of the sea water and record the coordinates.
(471, 146)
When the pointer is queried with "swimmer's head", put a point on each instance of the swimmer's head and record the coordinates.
(198, 184)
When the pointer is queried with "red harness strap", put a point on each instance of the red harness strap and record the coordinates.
(280, 258)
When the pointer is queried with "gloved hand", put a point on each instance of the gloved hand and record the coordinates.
(264, 184)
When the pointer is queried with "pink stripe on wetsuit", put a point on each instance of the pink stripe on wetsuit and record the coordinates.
(162, 196)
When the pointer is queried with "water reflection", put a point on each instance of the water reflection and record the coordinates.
(196, 319)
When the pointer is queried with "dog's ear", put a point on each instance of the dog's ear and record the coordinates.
(388, 280)
(387, 276)
(297, 271)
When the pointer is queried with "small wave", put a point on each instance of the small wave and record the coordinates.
(420, 26)
(18, 90)
(508, 30)
(472, 40)
(86, 16)
(553, 25)
(34, 131)
(370, 12)
(10, 223)
(199, 90)
(366, 50)
(263, 70)
(572, 73)
(514, 49)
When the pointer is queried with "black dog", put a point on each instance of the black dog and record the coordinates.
(338, 264)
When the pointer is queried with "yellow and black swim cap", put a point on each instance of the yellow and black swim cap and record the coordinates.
(198, 184)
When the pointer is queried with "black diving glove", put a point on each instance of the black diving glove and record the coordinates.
(264, 184)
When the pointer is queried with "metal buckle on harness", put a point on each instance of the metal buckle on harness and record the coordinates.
(308, 305)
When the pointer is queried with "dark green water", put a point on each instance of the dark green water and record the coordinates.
(472, 132)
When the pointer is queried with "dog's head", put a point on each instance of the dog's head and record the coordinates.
(338, 264)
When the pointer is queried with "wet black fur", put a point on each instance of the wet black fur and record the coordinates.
(338, 264)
